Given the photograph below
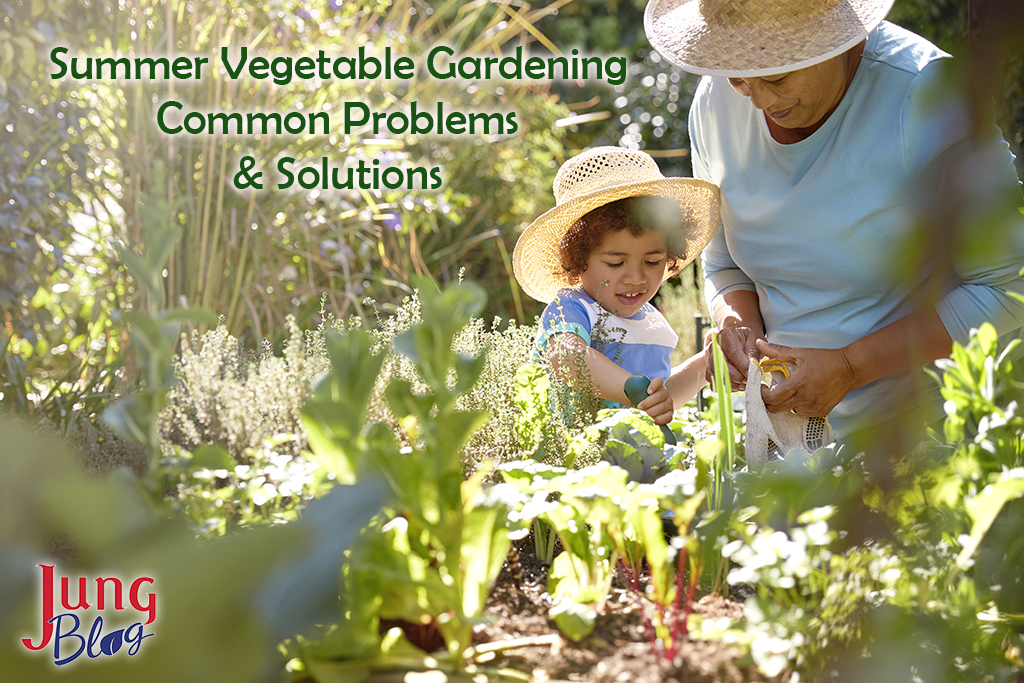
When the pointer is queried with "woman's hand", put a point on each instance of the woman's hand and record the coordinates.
(739, 344)
(819, 379)
(658, 403)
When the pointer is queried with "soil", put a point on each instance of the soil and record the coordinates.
(617, 650)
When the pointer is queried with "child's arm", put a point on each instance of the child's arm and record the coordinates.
(687, 378)
(607, 377)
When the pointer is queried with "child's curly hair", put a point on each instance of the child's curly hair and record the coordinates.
(636, 214)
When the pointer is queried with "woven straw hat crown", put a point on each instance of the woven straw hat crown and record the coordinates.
(603, 167)
(749, 38)
(597, 177)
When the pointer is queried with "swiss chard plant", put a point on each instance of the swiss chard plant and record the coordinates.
(580, 577)
(421, 572)
(606, 523)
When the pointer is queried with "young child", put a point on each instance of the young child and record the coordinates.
(618, 230)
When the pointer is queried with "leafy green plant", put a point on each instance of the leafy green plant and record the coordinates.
(629, 439)
(580, 576)
(536, 431)
(984, 390)
(602, 518)
(218, 494)
(425, 565)
(675, 565)
(844, 568)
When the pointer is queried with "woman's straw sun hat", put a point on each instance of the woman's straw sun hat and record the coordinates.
(748, 38)
(597, 177)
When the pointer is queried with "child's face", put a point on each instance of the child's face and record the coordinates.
(632, 266)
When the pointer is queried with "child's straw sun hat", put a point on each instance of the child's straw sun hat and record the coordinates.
(749, 38)
(597, 177)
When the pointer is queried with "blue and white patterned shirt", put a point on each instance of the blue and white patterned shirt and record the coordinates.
(641, 344)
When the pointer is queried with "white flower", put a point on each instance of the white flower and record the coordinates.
(263, 494)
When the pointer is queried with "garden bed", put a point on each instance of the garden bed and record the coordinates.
(617, 650)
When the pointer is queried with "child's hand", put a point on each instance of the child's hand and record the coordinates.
(658, 403)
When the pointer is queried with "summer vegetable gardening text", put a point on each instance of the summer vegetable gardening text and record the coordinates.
(174, 117)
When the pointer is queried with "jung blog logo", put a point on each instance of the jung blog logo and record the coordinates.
(62, 629)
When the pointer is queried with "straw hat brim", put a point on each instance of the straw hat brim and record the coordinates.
(537, 262)
(747, 49)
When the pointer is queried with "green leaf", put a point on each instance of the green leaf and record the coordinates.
(985, 507)
(354, 369)
(331, 442)
(574, 620)
(485, 544)
(648, 524)
(467, 372)
(304, 591)
(617, 422)
(429, 344)
(987, 338)
(134, 417)
(404, 402)
(149, 279)
(405, 344)
(198, 587)
(726, 459)
(339, 672)
(624, 455)
(212, 457)
(565, 578)
(455, 305)
(530, 393)
(524, 473)
(127, 419)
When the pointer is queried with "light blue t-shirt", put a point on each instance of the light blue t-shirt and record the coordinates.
(819, 228)
(641, 344)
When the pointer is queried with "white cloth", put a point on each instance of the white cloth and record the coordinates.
(772, 436)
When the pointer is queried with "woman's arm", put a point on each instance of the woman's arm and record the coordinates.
(821, 378)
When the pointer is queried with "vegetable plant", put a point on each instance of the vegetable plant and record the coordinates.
(427, 562)
(604, 519)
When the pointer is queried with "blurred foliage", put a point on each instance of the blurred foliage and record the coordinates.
(994, 54)
(59, 341)
(646, 112)
(215, 600)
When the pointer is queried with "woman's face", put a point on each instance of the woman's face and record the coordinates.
(798, 99)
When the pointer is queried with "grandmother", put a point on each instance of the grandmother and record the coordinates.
(817, 119)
